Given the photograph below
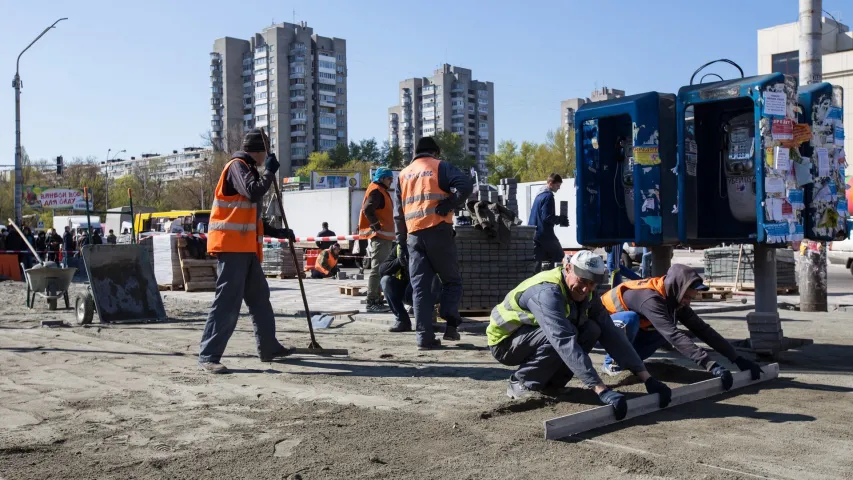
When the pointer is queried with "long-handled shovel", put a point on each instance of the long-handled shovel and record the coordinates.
(314, 348)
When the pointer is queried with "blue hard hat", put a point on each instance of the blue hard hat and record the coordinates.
(382, 172)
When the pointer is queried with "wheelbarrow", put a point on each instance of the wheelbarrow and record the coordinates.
(49, 281)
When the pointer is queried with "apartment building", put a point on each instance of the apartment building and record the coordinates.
(449, 100)
(779, 52)
(174, 166)
(570, 106)
(286, 79)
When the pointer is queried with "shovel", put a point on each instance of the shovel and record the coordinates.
(314, 348)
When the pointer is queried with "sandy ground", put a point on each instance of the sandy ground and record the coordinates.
(127, 401)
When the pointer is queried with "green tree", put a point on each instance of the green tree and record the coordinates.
(505, 163)
(368, 151)
(339, 155)
(316, 161)
(392, 157)
(453, 150)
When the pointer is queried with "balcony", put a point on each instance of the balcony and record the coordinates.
(297, 86)
(298, 133)
(298, 121)
(297, 75)
(297, 98)
(248, 72)
(295, 142)
(326, 103)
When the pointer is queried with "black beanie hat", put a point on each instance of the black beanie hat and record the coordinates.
(427, 145)
(254, 141)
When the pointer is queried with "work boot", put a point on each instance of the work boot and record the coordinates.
(401, 327)
(377, 307)
(517, 391)
(212, 367)
(612, 369)
(281, 353)
(451, 334)
(430, 345)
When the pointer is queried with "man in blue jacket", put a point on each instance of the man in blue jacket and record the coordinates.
(543, 216)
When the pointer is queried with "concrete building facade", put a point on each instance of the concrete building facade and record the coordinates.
(570, 106)
(450, 100)
(177, 165)
(286, 79)
(779, 51)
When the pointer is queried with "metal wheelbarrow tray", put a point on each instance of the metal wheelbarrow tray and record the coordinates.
(50, 283)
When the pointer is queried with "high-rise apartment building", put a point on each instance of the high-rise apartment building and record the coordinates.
(449, 100)
(570, 106)
(286, 79)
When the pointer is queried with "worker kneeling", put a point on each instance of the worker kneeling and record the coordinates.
(649, 310)
(549, 324)
(326, 265)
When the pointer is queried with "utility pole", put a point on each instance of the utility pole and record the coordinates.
(812, 266)
(19, 173)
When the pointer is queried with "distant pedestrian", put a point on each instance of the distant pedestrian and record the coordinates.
(543, 216)
(325, 232)
(111, 238)
(96, 237)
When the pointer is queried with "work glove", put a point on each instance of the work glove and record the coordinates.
(375, 227)
(744, 365)
(444, 207)
(286, 233)
(725, 376)
(563, 220)
(615, 400)
(271, 163)
(653, 385)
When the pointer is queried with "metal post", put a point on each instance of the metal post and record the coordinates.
(812, 271)
(765, 279)
(16, 83)
(661, 260)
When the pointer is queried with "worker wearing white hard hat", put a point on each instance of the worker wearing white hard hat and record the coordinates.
(548, 325)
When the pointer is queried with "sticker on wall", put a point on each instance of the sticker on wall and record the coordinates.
(782, 129)
(775, 104)
(839, 135)
(782, 159)
(646, 155)
(802, 133)
(833, 113)
(797, 198)
(822, 161)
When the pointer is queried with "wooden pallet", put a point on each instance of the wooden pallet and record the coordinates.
(283, 276)
(168, 288)
(713, 294)
(750, 287)
(351, 290)
(199, 275)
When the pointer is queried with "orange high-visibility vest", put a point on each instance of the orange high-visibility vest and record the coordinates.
(613, 302)
(327, 258)
(385, 214)
(420, 194)
(234, 222)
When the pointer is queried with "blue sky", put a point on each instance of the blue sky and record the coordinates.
(134, 75)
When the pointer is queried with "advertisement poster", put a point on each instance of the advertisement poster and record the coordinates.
(54, 198)
(323, 180)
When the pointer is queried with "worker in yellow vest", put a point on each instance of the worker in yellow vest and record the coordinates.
(428, 190)
(650, 308)
(376, 223)
(235, 237)
(326, 265)
(548, 325)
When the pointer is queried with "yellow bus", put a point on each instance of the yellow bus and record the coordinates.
(190, 221)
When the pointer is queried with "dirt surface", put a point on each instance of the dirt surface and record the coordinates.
(127, 401)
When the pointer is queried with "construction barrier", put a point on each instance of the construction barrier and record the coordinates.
(10, 267)
(311, 258)
(266, 239)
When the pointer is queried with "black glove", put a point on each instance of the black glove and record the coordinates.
(563, 220)
(271, 163)
(744, 364)
(375, 227)
(288, 234)
(444, 207)
(725, 376)
(654, 385)
(615, 400)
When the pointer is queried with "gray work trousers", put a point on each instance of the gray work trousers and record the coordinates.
(239, 278)
(432, 252)
(378, 251)
(540, 366)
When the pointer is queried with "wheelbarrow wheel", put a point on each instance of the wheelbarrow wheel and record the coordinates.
(84, 308)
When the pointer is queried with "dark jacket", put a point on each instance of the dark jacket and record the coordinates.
(548, 305)
(393, 265)
(248, 182)
(97, 239)
(449, 177)
(53, 242)
(664, 313)
(68, 242)
(41, 244)
(543, 215)
(111, 239)
(326, 233)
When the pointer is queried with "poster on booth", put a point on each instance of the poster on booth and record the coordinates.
(324, 180)
(54, 198)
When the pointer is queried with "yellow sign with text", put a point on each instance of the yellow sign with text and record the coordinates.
(646, 156)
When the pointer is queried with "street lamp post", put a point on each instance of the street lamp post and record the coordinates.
(107, 177)
(16, 84)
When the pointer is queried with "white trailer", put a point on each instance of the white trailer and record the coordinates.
(527, 192)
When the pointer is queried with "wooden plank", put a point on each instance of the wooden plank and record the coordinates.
(192, 286)
(192, 262)
(569, 425)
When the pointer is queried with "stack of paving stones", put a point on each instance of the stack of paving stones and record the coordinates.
(489, 271)
(279, 262)
(509, 191)
(721, 267)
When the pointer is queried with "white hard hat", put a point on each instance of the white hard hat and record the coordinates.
(589, 266)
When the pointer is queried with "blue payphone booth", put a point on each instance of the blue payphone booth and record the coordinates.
(821, 109)
(721, 175)
(625, 150)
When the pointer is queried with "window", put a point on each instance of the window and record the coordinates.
(787, 63)
(342, 134)
(272, 129)
(340, 69)
(340, 90)
(325, 64)
(482, 101)
(260, 95)
(340, 58)
(341, 111)
(328, 143)
(262, 83)
(261, 118)
(272, 71)
(273, 116)
(342, 123)
(484, 125)
(327, 88)
(272, 83)
(327, 121)
(272, 94)
(329, 76)
(297, 104)
(272, 106)
(262, 71)
(260, 61)
(340, 79)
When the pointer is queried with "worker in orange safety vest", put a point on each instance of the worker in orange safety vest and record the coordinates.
(326, 265)
(376, 223)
